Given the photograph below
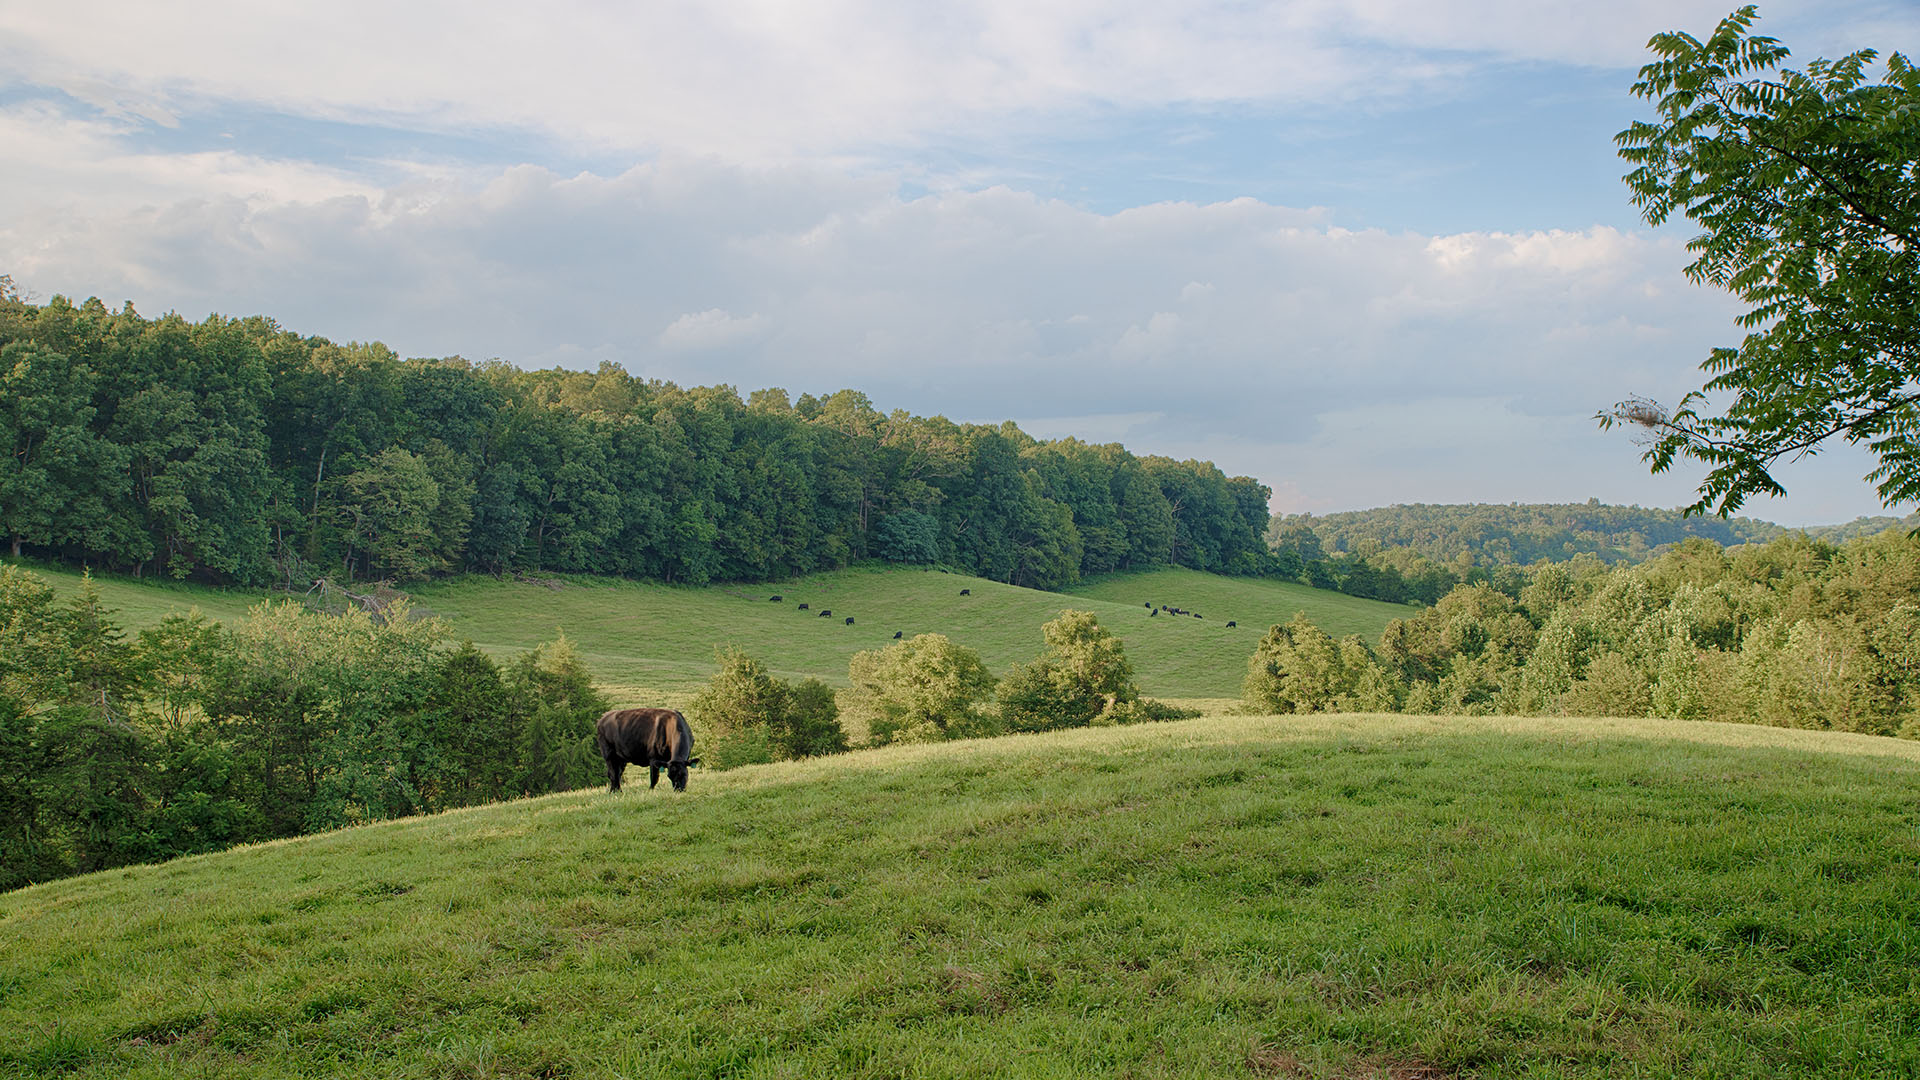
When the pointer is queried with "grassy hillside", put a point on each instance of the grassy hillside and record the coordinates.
(1255, 602)
(1314, 897)
(659, 639)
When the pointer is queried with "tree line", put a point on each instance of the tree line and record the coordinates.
(1417, 553)
(193, 736)
(232, 450)
(1797, 632)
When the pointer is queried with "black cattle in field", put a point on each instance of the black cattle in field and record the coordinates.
(1149, 603)
(896, 635)
(1230, 622)
(775, 599)
(658, 737)
(1152, 614)
(849, 620)
(825, 612)
(966, 592)
(802, 607)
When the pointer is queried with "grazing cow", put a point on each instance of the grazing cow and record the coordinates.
(659, 737)
(1152, 614)
(802, 607)
(896, 635)
(966, 592)
(775, 599)
(825, 612)
(1149, 603)
(1230, 622)
(849, 620)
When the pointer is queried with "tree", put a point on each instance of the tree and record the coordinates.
(923, 689)
(54, 471)
(1298, 668)
(757, 718)
(1082, 678)
(1804, 185)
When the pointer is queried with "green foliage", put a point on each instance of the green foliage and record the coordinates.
(908, 536)
(1793, 633)
(198, 736)
(1803, 186)
(234, 451)
(1297, 668)
(754, 717)
(1081, 679)
(920, 689)
(1464, 543)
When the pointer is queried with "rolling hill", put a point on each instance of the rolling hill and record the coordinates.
(1322, 896)
(641, 638)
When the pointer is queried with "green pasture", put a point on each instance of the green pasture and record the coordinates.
(649, 639)
(1323, 896)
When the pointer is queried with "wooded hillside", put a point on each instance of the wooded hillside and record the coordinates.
(233, 450)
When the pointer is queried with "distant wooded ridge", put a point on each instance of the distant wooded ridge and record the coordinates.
(1493, 534)
(233, 450)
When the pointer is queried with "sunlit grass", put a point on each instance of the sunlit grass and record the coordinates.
(657, 641)
(1328, 896)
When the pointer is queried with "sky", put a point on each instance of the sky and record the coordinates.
(1366, 251)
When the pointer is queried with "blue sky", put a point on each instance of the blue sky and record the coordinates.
(1371, 251)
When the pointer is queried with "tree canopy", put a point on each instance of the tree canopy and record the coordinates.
(1806, 185)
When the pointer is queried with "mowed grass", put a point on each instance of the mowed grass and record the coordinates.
(1249, 896)
(644, 639)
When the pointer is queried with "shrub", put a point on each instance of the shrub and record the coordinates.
(1298, 668)
(923, 689)
(1082, 679)
(755, 718)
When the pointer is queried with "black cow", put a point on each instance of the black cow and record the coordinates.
(896, 635)
(1149, 603)
(802, 607)
(849, 620)
(1151, 614)
(825, 612)
(659, 737)
(775, 599)
(1230, 622)
(966, 592)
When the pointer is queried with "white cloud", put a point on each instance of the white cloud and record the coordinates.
(1356, 366)
(710, 329)
(759, 80)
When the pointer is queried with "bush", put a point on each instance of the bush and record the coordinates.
(755, 717)
(1082, 679)
(923, 689)
(1297, 668)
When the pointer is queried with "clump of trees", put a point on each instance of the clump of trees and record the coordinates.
(1796, 633)
(922, 689)
(193, 736)
(753, 717)
(928, 688)
(232, 450)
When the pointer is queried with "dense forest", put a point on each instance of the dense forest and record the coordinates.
(1516, 534)
(231, 450)
(1417, 554)
(1796, 632)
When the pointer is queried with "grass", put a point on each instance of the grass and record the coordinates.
(1334, 897)
(658, 640)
